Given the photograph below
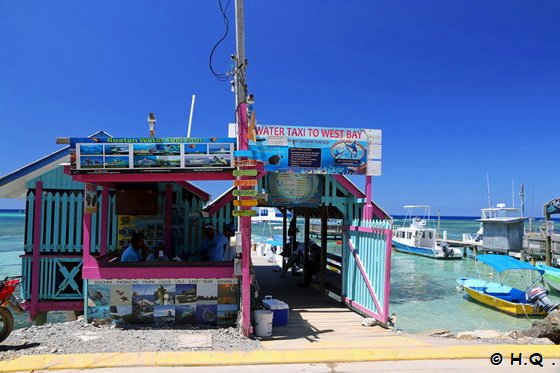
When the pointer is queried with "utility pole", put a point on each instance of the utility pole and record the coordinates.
(243, 144)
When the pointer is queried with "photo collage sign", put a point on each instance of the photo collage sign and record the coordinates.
(121, 155)
(209, 302)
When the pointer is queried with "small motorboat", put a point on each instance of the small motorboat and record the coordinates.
(533, 301)
(551, 276)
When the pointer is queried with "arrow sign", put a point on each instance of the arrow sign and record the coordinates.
(245, 202)
(243, 153)
(244, 213)
(245, 193)
(244, 172)
(245, 183)
(245, 163)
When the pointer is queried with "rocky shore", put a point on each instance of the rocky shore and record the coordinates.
(77, 337)
(542, 332)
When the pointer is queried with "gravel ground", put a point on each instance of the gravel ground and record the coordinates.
(76, 337)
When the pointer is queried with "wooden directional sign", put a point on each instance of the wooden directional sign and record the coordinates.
(244, 172)
(245, 183)
(244, 213)
(243, 153)
(245, 202)
(245, 163)
(245, 193)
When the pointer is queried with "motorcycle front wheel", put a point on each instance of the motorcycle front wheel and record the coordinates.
(6, 323)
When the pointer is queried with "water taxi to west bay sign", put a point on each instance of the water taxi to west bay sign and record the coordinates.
(170, 154)
(317, 150)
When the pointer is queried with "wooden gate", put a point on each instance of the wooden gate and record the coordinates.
(366, 256)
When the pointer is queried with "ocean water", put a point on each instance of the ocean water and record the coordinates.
(423, 291)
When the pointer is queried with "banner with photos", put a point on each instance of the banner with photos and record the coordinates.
(210, 302)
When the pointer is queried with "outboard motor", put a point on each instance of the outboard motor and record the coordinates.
(447, 252)
(539, 296)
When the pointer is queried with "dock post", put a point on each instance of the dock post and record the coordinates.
(36, 317)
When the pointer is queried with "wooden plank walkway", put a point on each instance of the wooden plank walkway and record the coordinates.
(316, 320)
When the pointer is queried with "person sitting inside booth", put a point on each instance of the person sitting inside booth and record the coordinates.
(211, 247)
(229, 249)
(133, 253)
(157, 254)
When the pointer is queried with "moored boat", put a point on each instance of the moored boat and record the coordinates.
(551, 276)
(533, 301)
(415, 237)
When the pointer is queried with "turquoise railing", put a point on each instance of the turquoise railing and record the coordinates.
(60, 278)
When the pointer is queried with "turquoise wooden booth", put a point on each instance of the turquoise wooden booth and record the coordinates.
(54, 228)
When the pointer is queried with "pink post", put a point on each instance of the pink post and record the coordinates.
(36, 266)
(167, 226)
(104, 220)
(389, 238)
(245, 234)
(86, 238)
(367, 212)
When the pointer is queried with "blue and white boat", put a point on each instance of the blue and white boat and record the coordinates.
(415, 237)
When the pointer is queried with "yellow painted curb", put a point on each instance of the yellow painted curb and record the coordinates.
(224, 358)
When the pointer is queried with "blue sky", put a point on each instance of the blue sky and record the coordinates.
(459, 88)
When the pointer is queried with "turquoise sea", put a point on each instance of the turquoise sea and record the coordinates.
(423, 290)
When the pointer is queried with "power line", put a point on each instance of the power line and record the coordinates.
(221, 77)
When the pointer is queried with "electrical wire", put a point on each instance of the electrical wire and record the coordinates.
(220, 76)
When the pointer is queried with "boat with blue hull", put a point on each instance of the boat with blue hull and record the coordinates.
(415, 237)
(530, 302)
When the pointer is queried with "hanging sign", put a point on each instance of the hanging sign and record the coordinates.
(144, 154)
(90, 198)
(244, 213)
(243, 153)
(245, 172)
(245, 163)
(245, 202)
(552, 206)
(245, 193)
(318, 150)
(244, 183)
(290, 189)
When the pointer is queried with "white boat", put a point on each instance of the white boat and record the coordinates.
(268, 215)
(415, 237)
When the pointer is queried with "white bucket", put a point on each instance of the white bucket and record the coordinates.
(263, 323)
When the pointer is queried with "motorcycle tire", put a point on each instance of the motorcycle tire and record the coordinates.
(6, 323)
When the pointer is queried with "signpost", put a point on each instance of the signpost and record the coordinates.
(245, 183)
(245, 202)
(248, 213)
(245, 193)
(244, 172)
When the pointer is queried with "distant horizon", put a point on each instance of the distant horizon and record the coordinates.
(443, 217)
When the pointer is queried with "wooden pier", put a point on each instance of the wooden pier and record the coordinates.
(534, 246)
(317, 320)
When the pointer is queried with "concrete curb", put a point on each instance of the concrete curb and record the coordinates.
(223, 358)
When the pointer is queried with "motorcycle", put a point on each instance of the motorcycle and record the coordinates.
(8, 300)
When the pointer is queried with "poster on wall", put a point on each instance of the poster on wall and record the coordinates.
(149, 225)
(169, 154)
(318, 150)
(212, 302)
(291, 189)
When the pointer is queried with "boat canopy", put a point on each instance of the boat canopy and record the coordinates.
(504, 263)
